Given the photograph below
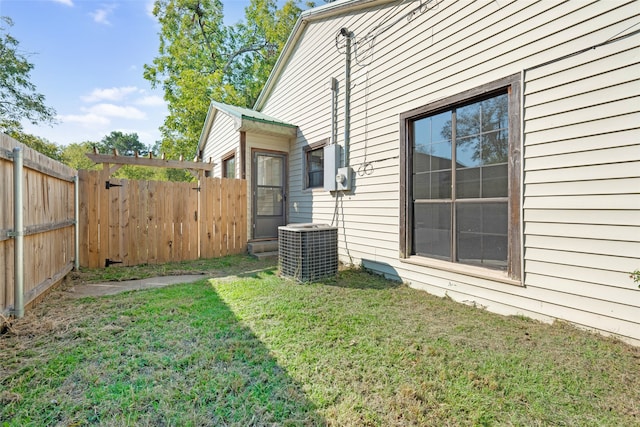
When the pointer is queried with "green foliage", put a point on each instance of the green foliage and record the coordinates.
(488, 118)
(18, 97)
(74, 155)
(250, 348)
(635, 276)
(39, 144)
(127, 144)
(201, 59)
(141, 173)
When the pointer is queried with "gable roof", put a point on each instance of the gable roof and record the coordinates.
(246, 115)
(245, 119)
(241, 113)
(321, 12)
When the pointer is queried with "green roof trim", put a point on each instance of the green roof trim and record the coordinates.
(249, 114)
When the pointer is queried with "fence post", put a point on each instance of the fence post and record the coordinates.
(76, 213)
(18, 230)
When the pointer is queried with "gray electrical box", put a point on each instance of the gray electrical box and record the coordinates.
(332, 154)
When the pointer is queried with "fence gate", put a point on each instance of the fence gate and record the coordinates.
(131, 222)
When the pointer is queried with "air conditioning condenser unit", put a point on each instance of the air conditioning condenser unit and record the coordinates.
(308, 252)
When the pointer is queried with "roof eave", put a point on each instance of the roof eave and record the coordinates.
(208, 122)
(259, 126)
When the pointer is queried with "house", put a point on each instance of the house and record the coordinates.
(488, 151)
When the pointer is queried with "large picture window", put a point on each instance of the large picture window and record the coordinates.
(461, 160)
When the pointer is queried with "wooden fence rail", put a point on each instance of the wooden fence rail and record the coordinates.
(129, 222)
(120, 221)
(48, 196)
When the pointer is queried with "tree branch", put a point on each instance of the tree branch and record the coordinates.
(251, 48)
(200, 15)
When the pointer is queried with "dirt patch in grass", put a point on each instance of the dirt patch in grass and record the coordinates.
(255, 349)
(225, 266)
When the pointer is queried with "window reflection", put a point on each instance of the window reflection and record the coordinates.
(476, 136)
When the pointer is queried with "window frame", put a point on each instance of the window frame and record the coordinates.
(512, 86)
(225, 165)
(305, 161)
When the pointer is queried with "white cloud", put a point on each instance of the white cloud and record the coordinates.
(64, 2)
(109, 94)
(149, 8)
(112, 110)
(101, 16)
(151, 101)
(87, 120)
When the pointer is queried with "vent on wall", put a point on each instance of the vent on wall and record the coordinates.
(308, 252)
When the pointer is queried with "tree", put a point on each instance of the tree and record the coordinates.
(488, 118)
(127, 144)
(74, 155)
(18, 97)
(42, 145)
(201, 59)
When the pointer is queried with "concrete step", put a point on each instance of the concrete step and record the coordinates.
(263, 246)
(272, 255)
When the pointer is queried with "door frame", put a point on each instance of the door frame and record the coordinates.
(285, 187)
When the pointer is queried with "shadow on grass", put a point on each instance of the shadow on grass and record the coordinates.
(364, 278)
(171, 356)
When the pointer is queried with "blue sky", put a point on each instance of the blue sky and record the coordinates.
(89, 57)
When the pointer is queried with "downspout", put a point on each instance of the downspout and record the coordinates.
(347, 93)
(18, 230)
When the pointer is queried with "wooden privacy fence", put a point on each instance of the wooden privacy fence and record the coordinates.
(48, 220)
(129, 222)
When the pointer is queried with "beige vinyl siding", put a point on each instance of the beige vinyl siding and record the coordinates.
(581, 188)
(221, 140)
(582, 183)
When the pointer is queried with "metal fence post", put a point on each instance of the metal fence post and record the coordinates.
(76, 195)
(18, 230)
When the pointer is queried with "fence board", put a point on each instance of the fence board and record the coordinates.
(194, 223)
(224, 200)
(155, 193)
(93, 202)
(180, 232)
(207, 211)
(113, 195)
(243, 215)
(204, 218)
(124, 222)
(167, 228)
(154, 222)
(142, 241)
(217, 206)
(135, 236)
(48, 212)
(239, 223)
(104, 212)
(83, 223)
(6, 223)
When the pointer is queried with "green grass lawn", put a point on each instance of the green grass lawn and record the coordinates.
(257, 350)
